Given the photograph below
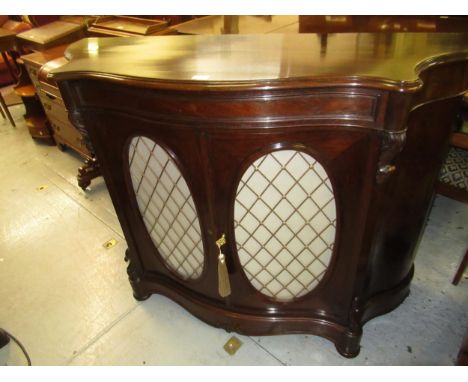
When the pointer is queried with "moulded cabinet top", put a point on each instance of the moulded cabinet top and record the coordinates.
(377, 59)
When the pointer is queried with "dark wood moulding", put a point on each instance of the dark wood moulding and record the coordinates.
(375, 110)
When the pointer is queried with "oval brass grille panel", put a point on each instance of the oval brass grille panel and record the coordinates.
(167, 207)
(285, 223)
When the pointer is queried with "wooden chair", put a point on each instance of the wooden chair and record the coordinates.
(462, 359)
(9, 52)
(453, 179)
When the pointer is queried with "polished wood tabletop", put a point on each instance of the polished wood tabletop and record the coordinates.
(390, 60)
(321, 24)
(239, 25)
(50, 35)
(49, 32)
(43, 57)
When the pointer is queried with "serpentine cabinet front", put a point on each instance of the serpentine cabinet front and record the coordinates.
(250, 210)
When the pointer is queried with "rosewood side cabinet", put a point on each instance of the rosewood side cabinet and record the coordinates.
(266, 183)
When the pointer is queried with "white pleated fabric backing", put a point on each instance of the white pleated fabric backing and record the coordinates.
(285, 223)
(167, 207)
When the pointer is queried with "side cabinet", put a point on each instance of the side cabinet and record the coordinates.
(286, 184)
(272, 193)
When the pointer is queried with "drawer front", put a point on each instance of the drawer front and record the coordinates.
(54, 107)
(50, 91)
(33, 72)
(66, 133)
(363, 107)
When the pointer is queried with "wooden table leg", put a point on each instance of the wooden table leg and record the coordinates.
(10, 68)
(3, 114)
(461, 269)
(5, 110)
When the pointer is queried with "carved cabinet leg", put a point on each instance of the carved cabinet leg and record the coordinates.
(135, 280)
(350, 346)
(88, 172)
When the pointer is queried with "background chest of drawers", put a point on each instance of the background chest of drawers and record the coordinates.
(38, 65)
(65, 135)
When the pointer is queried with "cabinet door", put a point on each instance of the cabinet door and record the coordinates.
(292, 204)
(285, 223)
(168, 213)
(167, 207)
(155, 177)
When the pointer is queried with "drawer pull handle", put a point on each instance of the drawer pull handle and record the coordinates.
(224, 287)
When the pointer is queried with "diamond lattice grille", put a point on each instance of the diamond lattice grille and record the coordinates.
(167, 207)
(285, 222)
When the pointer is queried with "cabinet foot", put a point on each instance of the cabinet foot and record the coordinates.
(88, 172)
(141, 297)
(350, 349)
(134, 277)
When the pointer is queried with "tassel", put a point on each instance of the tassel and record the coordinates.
(224, 287)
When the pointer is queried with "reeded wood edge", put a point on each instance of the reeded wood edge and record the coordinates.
(406, 86)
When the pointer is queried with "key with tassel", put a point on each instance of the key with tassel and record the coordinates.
(224, 287)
